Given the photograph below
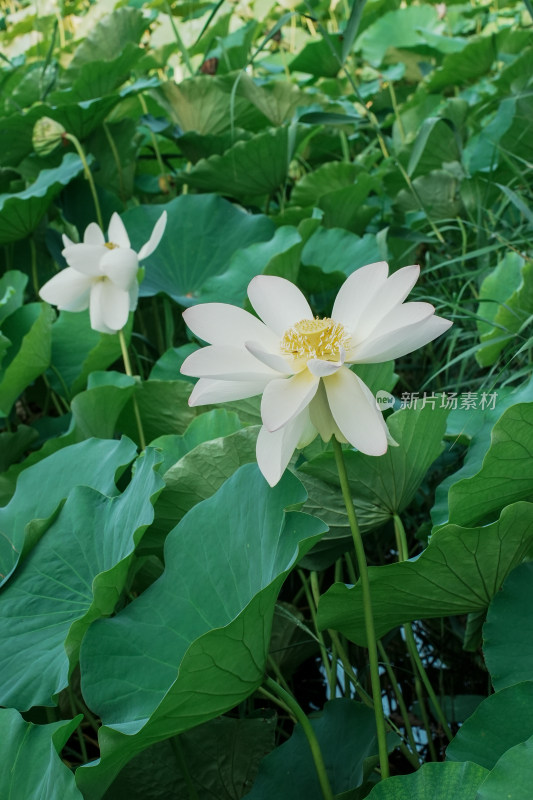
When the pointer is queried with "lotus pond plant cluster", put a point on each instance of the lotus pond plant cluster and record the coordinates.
(266, 400)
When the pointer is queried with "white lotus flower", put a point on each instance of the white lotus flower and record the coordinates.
(102, 275)
(300, 363)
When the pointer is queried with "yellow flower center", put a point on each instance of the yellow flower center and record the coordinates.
(315, 338)
(111, 245)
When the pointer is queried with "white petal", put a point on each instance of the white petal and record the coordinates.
(226, 363)
(85, 257)
(389, 296)
(279, 303)
(66, 241)
(117, 232)
(358, 418)
(400, 342)
(372, 401)
(93, 234)
(284, 398)
(323, 368)
(109, 307)
(220, 323)
(68, 290)
(274, 449)
(134, 295)
(321, 418)
(356, 292)
(274, 360)
(156, 236)
(120, 265)
(218, 391)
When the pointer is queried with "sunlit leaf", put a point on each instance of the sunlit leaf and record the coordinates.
(74, 574)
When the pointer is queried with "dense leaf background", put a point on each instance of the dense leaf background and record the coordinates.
(146, 594)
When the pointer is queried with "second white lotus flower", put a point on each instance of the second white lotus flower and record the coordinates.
(299, 363)
(101, 275)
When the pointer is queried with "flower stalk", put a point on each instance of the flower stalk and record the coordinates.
(88, 175)
(367, 605)
(401, 541)
(127, 367)
(290, 703)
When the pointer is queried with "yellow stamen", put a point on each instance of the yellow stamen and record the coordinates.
(111, 245)
(315, 338)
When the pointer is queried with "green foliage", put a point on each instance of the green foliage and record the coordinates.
(170, 679)
(302, 141)
(39, 746)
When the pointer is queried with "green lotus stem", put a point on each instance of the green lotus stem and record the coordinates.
(367, 607)
(127, 367)
(403, 554)
(88, 176)
(116, 158)
(311, 601)
(399, 698)
(310, 735)
(396, 110)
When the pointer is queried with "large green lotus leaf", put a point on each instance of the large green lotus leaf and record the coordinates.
(482, 150)
(326, 178)
(205, 104)
(205, 427)
(437, 192)
(105, 39)
(460, 571)
(517, 138)
(382, 487)
(500, 722)
(167, 368)
(319, 58)
(95, 412)
(231, 285)
(433, 782)
(78, 350)
(457, 69)
(506, 474)
(200, 472)
(508, 631)
(42, 487)
(74, 574)
(13, 445)
(346, 733)
(511, 776)
(203, 233)
(402, 29)
(437, 143)
(96, 78)
(163, 406)
(16, 135)
(278, 100)
(12, 285)
(222, 758)
(344, 208)
(20, 213)
(252, 168)
(30, 764)
(79, 118)
(476, 426)
(513, 307)
(29, 329)
(337, 250)
(195, 643)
